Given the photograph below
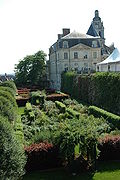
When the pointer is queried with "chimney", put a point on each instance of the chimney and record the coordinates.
(59, 36)
(66, 31)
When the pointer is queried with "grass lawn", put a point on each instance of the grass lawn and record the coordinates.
(106, 171)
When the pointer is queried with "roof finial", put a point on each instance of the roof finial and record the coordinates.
(96, 13)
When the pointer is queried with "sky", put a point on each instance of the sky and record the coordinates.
(27, 26)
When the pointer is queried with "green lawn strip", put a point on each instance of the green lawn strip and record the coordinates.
(106, 171)
(54, 175)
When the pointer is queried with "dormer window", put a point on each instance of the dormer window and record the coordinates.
(94, 44)
(65, 44)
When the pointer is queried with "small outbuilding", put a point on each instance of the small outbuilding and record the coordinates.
(111, 64)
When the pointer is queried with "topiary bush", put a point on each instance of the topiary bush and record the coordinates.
(12, 157)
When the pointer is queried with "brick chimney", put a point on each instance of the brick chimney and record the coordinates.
(66, 31)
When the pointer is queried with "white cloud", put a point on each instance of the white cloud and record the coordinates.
(30, 25)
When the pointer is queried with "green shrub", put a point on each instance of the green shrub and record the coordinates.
(29, 112)
(31, 116)
(73, 113)
(60, 106)
(51, 109)
(28, 107)
(111, 118)
(12, 157)
(38, 98)
(7, 109)
(8, 89)
(9, 84)
(9, 97)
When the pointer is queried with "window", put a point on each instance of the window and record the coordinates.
(94, 55)
(98, 68)
(66, 69)
(94, 43)
(75, 55)
(65, 44)
(65, 55)
(76, 69)
(85, 56)
(109, 67)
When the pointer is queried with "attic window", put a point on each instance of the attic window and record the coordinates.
(94, 44)
(65, 44)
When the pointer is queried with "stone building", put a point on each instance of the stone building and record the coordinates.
(77, 51)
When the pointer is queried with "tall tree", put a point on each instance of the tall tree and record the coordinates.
(31, 70)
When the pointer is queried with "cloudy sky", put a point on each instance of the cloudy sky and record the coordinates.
(27, 26)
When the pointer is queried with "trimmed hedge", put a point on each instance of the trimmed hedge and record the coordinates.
(109, 147)
(10, 84)
(100, 89)
(111, 118)
(7, 109)
(60, 106)
(12, 157)
(73, 113)
(41, 156)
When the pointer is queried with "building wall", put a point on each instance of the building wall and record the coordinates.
(111, 67)
(58, 63)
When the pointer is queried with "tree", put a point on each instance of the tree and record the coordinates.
(12, 157)
(31, 70)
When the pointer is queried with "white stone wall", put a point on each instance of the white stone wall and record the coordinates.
(58, 63)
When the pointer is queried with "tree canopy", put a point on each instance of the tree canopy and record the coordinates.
(31, 70)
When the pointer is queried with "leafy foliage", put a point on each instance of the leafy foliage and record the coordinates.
(31, 70)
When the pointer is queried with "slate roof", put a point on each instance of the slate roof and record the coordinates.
(77, 35)
(91, 31)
